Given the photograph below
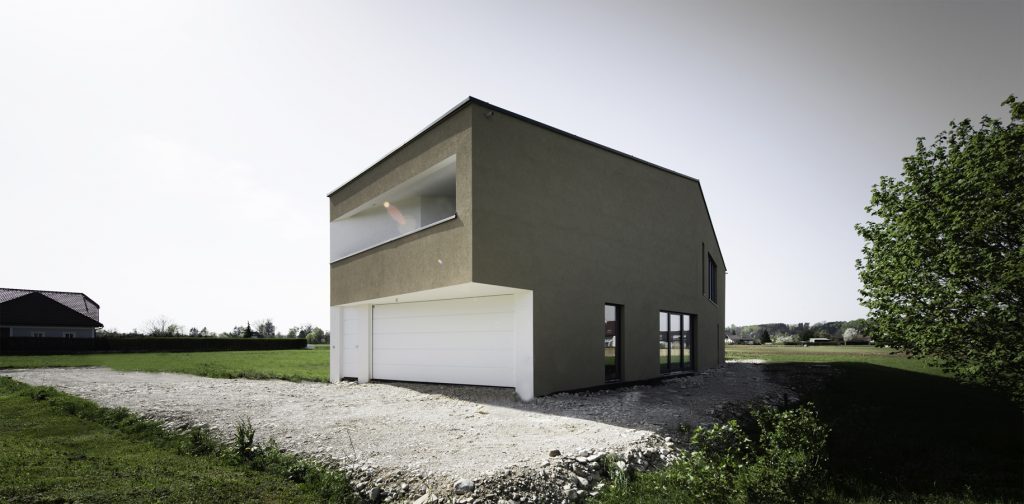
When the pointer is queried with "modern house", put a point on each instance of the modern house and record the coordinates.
(492, 249)
(47, 314)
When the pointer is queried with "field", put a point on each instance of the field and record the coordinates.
(865, 354)
(294, 365)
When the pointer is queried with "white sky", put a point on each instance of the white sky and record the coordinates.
(173, 158)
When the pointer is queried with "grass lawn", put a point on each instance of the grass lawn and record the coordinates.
(827, 354)
(901, 430)
(295, 365)
(48, 454)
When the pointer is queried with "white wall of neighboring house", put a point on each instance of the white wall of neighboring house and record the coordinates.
(52, 332)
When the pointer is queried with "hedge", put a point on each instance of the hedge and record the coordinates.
(49, 346)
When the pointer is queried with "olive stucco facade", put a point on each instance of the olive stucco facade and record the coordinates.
(519, 255)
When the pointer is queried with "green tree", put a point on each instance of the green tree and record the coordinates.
(943, 268)
(317, 335)
(265, 329)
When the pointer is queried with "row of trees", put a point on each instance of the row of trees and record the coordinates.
(851, 331)
(164, 327)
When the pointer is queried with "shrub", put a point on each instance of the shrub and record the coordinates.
(790, 465)
(783, 462)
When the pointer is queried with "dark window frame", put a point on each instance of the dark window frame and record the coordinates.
(617, 376)
(666, 337)
(712, 274)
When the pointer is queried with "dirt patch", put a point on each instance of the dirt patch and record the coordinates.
(430, 434)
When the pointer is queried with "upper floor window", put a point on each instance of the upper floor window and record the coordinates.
(420, 202)
(712, 279)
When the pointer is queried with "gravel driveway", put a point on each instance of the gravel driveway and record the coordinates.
(442, 431)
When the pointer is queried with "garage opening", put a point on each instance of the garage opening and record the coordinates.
(467, 341)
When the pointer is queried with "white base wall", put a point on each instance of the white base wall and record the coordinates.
(473, 334)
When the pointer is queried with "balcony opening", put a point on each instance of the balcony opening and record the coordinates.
(418, 203)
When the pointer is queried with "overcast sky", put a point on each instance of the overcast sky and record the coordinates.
(173, 158)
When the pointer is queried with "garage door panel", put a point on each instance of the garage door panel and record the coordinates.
(449, 341)
(437, 357)
(470, 375)
(498, 321)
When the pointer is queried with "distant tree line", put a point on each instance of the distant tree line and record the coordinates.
(166, 328)
(843, 332)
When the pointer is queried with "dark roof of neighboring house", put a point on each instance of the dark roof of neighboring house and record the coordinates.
(472, 100)
(77, 301)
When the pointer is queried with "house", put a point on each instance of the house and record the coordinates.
(487, 249)
(739, 339)
(47, 314)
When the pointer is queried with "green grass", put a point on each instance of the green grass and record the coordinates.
(827, 354)
(902, 436)
(901, 431)
(295, 365)
(59, 448)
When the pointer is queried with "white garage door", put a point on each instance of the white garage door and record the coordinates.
(466, 341)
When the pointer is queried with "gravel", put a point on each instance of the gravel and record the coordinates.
(405, 441)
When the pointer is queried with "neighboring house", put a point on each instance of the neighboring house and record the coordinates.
(739, 339)
(486, 250)
(47, 314)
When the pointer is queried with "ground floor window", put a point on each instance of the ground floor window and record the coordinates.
(675, 341)
(612, 342)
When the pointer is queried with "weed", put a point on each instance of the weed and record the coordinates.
(199, 441)
(245, 439)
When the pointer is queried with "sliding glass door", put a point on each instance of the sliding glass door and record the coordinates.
(675, 341)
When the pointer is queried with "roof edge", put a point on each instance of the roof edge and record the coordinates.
(86, 296)
(430, 126)
(473, 100)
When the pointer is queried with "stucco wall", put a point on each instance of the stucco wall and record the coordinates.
(581, 227)
(435, 257)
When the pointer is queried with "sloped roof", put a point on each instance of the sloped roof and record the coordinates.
(476, 101)
(75, 300)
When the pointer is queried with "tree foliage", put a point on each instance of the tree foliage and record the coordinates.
(162, 327)
(943, 268)
(312, 333)
(265, 329)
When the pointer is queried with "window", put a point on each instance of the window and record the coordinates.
(712, 279)
(37, 334)
(675, 342)
(420, 202)
(69, 335)
(612, 342)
